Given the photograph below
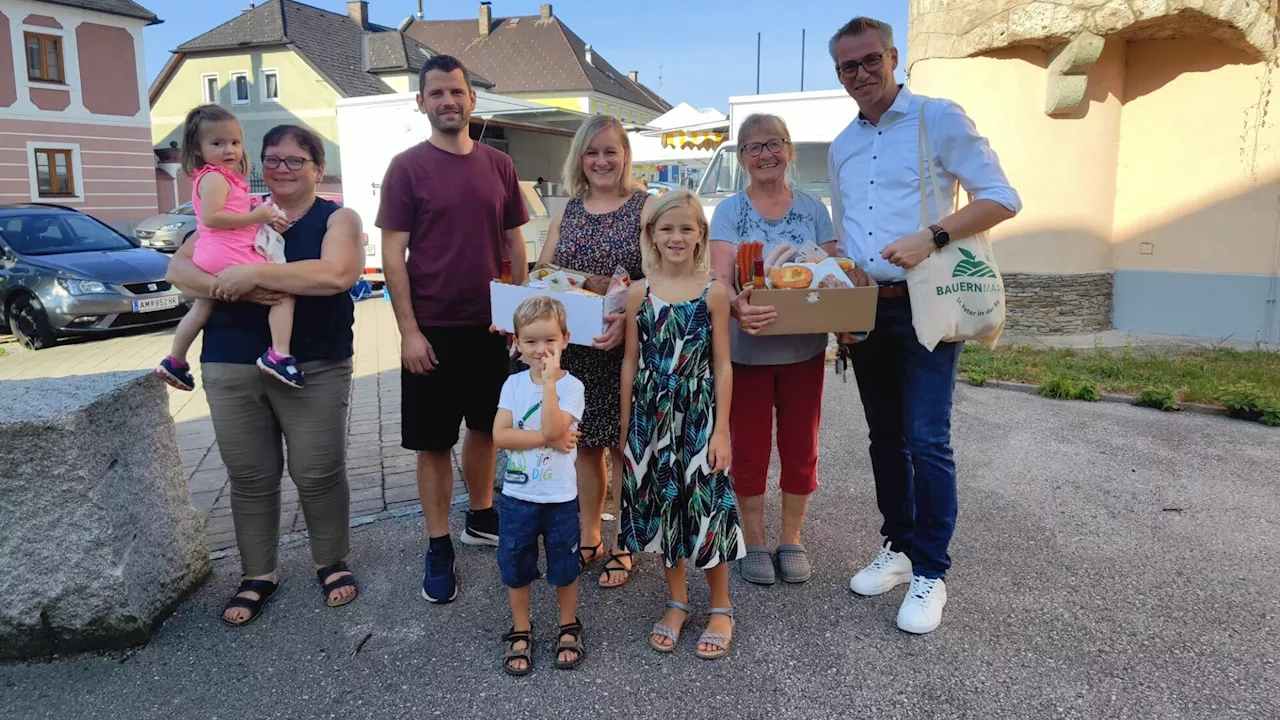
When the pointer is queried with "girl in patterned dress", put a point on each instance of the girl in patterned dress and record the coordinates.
(677, 496)
(598, 231)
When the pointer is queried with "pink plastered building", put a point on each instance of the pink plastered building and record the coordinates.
(75, 128)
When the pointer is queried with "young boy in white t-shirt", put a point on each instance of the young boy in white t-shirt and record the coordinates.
(538, 415)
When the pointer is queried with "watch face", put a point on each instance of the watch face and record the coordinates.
(941, 238)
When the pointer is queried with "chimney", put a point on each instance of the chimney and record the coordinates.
(486, 19)
(544, 13)
(635, 76)
(358, 11)
(419, 9)
(590, 56)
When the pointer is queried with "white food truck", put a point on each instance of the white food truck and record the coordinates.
(374, 129)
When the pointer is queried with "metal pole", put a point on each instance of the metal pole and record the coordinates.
(757, 63)
(802, 60)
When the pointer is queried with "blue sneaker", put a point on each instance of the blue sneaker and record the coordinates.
(285, 369)
(177, 374)
(439, 583)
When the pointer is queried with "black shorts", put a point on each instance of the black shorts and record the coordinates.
(465, 385)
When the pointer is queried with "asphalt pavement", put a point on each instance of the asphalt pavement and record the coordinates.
(1110, 562)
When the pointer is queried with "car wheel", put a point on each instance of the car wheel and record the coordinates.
(29, 323)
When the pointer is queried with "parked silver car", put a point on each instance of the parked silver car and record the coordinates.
(65, 273)
(167, 231)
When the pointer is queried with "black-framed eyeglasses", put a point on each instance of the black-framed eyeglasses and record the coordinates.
(293, 163)
(754, 149)
(872, 63)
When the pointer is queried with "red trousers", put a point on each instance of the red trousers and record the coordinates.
(795, 391)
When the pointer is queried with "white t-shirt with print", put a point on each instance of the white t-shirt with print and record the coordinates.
(543, 475)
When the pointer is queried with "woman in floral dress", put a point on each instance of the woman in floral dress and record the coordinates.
(598, 232)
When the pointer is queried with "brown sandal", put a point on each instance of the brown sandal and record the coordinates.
(573, 645)
(525, 653)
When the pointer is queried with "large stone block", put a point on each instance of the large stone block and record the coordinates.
(985, 25)
(100, 540)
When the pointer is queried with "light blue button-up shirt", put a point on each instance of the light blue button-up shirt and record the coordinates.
(875, 183)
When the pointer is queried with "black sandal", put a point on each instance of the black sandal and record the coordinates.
(265, 589)
(584, 563)
(344, 581)
(525, 654)
(574, 631)
(610, 568)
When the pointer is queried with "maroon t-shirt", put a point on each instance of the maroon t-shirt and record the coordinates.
(455, 209)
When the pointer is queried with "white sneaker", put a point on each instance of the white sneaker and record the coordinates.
(889, 570)
(921, 610)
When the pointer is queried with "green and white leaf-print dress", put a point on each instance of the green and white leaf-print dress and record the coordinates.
(671, 502)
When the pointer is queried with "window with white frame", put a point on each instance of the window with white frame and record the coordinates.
(240, 88)
(55, 171)
(209, 82)
(270, 86)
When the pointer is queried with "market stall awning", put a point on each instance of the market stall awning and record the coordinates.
(682, 139)
(702, 136)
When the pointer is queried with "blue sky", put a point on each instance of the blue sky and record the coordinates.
(705, 51)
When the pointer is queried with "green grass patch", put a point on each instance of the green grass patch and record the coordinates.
(1161, 398)
(1246, 382)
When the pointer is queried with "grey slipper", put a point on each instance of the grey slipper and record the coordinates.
(757, 566)
(793, 563)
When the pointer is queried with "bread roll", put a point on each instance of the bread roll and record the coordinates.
(791, 277)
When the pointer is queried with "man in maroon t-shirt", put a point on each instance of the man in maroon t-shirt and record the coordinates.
(455, 206)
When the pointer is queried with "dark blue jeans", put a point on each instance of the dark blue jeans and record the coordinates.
(906, 393)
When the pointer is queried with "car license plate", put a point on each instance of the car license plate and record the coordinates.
(153, 304)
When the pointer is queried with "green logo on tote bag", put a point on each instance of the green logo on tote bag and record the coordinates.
(981, 293)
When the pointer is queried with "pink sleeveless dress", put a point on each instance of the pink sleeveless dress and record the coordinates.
(216, 250)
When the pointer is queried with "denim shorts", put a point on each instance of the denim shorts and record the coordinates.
(520, 523)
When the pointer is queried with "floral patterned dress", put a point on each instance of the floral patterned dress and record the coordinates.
(671, 503)
(598, 244)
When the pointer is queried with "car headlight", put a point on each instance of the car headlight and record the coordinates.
(170, 226)
(85, 287)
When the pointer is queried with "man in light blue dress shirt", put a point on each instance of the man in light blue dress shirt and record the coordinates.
(906, 390)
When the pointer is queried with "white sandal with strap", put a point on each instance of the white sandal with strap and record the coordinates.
(719, 640)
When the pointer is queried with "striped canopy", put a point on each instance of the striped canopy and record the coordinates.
(706, 140)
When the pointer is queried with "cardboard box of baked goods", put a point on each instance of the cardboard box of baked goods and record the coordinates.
(585, 311)
(820, 309)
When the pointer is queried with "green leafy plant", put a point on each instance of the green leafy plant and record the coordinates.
(977, 379)
(1087, 390)
(1240, 400)
(1060, 387)
(1160, 398)
(1269, 412)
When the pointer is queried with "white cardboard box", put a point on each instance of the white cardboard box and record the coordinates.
(585, 313)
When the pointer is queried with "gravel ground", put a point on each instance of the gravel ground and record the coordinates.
(1110, 562)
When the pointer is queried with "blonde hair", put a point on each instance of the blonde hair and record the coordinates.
(539, 308)
(649, 253)
(575, 178)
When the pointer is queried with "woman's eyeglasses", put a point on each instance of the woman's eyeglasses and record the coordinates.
(293, 163)
(754, 149)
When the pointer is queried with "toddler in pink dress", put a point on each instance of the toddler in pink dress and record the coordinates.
(231, 232)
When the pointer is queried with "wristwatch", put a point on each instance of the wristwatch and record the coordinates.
(940, 237)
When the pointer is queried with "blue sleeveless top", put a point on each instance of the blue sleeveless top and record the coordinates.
(238, 332)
